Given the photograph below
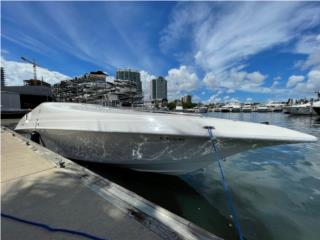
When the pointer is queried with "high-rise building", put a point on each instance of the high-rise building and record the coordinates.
(159, 88)
(3, 80)
(186, 99)
(130, 75)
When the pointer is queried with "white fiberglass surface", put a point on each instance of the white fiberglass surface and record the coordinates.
(85, 117)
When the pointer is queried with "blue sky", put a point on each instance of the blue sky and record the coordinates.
(216, 51)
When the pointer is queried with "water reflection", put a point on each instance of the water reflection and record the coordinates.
(276, 189)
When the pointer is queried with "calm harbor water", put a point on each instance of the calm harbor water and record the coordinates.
(276, 190)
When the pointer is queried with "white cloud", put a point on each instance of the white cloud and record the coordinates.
(249, 99)
(275, 84)
(196, 99)
(16, 72)
(181, 80)
(230, 99)
(146, 81)
(210, 80)
(230, 91)
(309, 45)
(244, 29)
(214, 98)
(235, 80)
(182, 16)
(312, 85)
(223, 39)
(293, 80)
(234, 100)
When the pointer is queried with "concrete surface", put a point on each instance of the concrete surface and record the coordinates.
(36, 188)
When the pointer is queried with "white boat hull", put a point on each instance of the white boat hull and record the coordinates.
(162, 143)
(263, 110)
(152, 153)
(302, 111)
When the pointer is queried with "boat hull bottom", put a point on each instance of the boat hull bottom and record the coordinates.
(178, 168)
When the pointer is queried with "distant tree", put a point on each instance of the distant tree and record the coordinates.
(188, 105)
(172, 105)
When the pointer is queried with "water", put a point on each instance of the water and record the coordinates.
(276, 190)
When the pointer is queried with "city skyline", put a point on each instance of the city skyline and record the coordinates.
(212, 51)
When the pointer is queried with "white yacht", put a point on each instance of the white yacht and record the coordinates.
(287, 109)
(262, 108)
(275, 106)
(231, 107)
(235, 107)
(302, 109)
(179, 109)
(169, 143)
(247, 108)
(201, 109)
(226, 108)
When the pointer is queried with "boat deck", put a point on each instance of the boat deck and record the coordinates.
(41, 186)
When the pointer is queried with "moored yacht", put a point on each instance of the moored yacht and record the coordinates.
(286, 109)
(226, 108)
(247, 108)
(201, 109)
(179, 109)
(231, 107)
(235, 107)
(169, 143)
(302, 109)
(275, 106)
(262, 108)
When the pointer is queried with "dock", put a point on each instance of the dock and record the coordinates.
(41, 187)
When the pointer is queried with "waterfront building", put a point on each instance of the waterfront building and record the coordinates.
(186, 99)
(17, 100)
(130, 75)
(32, 93)
(158, 88)
(93, 88)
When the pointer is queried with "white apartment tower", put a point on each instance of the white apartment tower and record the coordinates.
(158, 88)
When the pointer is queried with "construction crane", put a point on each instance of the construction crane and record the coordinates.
(34, 66)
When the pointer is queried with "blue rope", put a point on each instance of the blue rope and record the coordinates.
(225, 185)
(51, 229)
